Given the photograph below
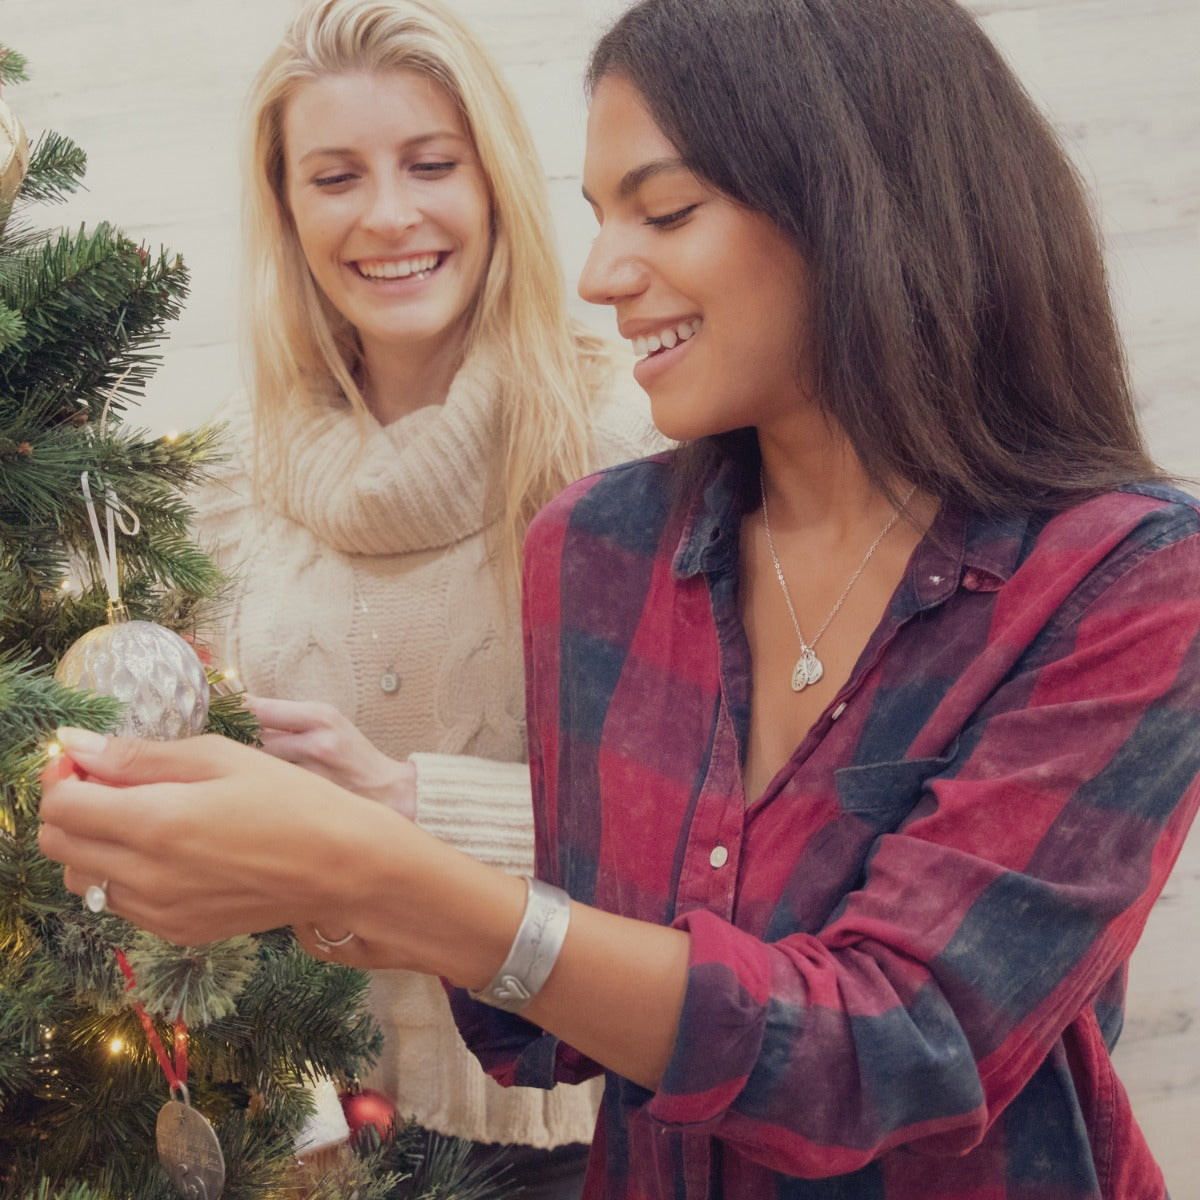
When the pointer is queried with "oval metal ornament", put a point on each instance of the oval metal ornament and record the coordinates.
(190, 1152)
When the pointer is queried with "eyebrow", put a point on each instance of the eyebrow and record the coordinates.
(633, 179)
(408, 144)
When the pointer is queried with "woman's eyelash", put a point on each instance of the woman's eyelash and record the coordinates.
(424, 168)
(673, 218)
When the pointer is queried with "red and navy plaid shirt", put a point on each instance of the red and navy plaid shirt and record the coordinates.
(908, 955)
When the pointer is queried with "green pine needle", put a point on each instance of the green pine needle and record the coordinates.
(56, 169)
(198, 984)
(12, 66)
(12, 327)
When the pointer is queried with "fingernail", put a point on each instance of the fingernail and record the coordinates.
(80, 741)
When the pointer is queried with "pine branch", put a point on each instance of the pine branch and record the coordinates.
(32, 988)
(199, 984)
(12, 328)
(43, 516)
(329, 1032)
(227, 715)
(82, 944)
(75, 1190)
(443, 1170)
(91, 301)
(56, 169)
(32, 705)
(12, 66)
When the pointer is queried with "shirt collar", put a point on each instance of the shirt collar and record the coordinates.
(977, 552)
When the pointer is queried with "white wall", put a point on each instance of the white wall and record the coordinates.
(152, 89)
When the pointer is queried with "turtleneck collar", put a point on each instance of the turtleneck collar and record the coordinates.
(422, 482)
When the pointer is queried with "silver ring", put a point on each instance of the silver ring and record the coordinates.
(95, 899)
(328, 945)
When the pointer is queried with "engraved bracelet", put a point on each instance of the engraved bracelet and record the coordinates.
(534, 951)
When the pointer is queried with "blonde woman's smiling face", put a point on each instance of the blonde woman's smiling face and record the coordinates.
(712, 297)
(390, 205)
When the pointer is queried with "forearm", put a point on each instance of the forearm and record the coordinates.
(615, 993)
(205, 839)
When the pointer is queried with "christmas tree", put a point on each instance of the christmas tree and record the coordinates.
(102, 1025)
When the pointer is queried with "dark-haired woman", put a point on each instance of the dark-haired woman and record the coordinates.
(864, 729)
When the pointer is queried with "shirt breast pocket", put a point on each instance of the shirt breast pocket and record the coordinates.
(882, 794)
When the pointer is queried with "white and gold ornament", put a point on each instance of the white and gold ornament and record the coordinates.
(14, 154)
(148, 667)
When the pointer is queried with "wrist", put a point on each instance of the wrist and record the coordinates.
(534, 951)
(413, 901)
(395, 787)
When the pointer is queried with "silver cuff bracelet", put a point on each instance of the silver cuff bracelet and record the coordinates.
(534, 951)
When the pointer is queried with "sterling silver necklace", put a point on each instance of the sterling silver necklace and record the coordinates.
(389, 679)
(809, 669)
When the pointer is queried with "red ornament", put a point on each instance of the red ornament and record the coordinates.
(367, 1109)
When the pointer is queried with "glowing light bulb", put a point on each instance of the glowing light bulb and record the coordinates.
(53, 749)
(116, 1046)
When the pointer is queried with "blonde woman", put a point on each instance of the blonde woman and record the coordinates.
(418, 393)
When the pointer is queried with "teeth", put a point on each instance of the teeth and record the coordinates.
(666, 338)
(419, 265)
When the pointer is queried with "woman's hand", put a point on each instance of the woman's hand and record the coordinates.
(205, 838)
(317, 737)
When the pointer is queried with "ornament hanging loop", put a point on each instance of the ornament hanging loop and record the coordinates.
(115, 511)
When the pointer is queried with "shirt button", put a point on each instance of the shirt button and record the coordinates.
(719, 857)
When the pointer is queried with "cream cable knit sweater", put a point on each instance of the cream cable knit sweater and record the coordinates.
(370, 558)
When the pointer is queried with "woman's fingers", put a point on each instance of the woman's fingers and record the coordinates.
(289, 716)
(291, 747)
(125, 761)
(86, 810)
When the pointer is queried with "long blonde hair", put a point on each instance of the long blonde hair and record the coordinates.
(303, 351)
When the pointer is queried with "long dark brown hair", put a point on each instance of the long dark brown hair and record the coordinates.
(962, 332)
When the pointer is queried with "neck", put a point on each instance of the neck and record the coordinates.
(396, 382)
(815, 481)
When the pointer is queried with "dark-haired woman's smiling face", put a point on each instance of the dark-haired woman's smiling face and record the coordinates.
(712, 297)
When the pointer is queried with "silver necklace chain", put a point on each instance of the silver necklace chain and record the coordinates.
(389, 680)
(809, 669)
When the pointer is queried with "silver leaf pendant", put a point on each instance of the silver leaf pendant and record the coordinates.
(807, 671)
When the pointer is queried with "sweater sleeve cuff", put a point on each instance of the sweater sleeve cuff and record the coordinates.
(479, 806)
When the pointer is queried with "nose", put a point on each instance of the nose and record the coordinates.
(391, 208)
(611, 273)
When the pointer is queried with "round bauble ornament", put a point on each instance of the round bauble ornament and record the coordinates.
(368, 1111)
(151, 669)
(14, 154)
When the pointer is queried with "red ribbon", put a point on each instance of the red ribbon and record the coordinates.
(176, 1073)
